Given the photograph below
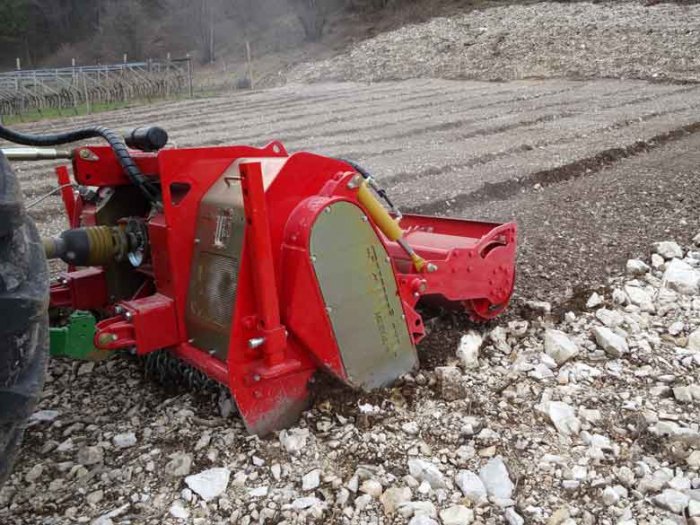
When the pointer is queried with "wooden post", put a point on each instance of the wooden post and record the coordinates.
(19, 64)
(250, 64)
(189, 75)
(87, 94)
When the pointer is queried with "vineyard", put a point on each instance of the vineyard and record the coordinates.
(68, 88)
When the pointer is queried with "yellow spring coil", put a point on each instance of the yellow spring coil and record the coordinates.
(102, 245)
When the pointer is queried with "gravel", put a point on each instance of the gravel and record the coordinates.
(603, 438)
(541, 40)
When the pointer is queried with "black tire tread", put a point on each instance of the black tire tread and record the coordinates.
(23, 318)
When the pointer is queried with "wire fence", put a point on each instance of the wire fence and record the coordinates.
(69, 88)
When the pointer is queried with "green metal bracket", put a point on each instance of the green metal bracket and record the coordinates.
(74, 339)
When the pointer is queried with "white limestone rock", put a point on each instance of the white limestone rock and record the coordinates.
(563, 417)
(209, 484)
(672, 501)
(494, 475)
(682, 277)
(668, 250)
(468, 351)
(456, 515)
(613, 344)
(471, 486)
(637, 267)
(294, 440)
(393, 497)
(424, 470)
(559, 347)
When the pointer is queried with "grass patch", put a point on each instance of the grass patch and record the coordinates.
(37, 115)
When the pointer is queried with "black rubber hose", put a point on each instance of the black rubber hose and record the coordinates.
(367, 175)
(113, 139)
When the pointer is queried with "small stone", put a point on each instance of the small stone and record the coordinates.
(613, 344)
(683, 394)
(86, 368)
(177, 510)
(668, 250)
(539, 307)
(179, 465)
(512, 517)
(371, 487)
(563, 417)
(410, 427)
(609, 318)
(494, 475)
(311, 480)
(393, 498)
(672, 501)
(637, 267)
(418, 508)
(694, 341)
(657, 262)
(457, 515)
(471, 486)
(422, 520)
(258, 492)
(306, 503)
(641, 298)
(95, 497)
(424, 470)
(682, 278)
(125, 440)
(34, 473)
(90, 455)
(693, 460)
(361, 502)
(276, 471)
(468, 351)
(696, 240)
(450, 383)
(294, 440)
(44, 415)
(559, 347)
(694, 508)
(498, 336)
(594, 301)
(210, 483)
(610, 496)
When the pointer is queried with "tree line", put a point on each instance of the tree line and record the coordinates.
(52, 32)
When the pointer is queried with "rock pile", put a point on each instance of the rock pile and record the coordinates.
(539, 40)
(591, 418)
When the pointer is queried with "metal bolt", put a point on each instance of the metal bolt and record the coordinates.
(118, 309)
(128, 316)
(327, 209)
(365, 218)
(197, 241)
(313, 258)
(329, 309)
(432, 267)
(355, 182)
(256, 377)
(255, 342)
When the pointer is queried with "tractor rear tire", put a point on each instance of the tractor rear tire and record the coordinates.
(24, 344)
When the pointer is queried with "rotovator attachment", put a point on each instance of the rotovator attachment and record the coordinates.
(259, 268)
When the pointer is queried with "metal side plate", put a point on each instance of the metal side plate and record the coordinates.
(360, 292)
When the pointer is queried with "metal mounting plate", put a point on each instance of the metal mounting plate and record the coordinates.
(359, 289)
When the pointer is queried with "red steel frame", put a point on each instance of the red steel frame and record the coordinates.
(278, 298)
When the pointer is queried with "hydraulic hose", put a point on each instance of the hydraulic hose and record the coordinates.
(113, 139)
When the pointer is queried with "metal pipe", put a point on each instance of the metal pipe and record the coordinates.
(17, 154)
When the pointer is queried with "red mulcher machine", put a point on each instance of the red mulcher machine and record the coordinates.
(255, 266)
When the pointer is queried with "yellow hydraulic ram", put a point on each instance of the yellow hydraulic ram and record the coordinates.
(386, 222)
